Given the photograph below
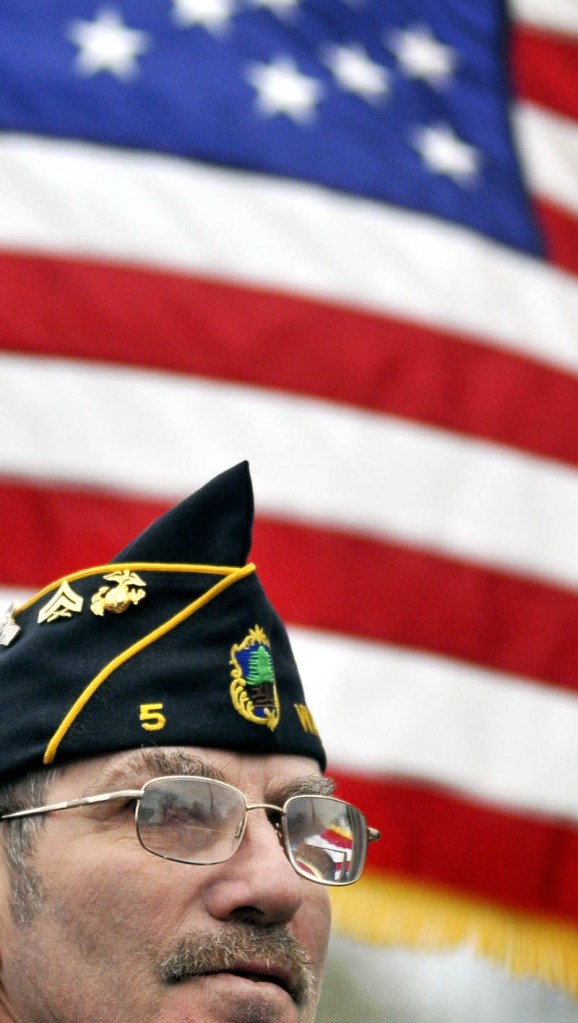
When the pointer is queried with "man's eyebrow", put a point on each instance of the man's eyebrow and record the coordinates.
(154, 762)
(309, 785)
(151, 763)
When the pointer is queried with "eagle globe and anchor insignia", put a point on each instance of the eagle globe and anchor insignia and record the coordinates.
(129, 589)
(253, 689)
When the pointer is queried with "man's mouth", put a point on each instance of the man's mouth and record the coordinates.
(261, 956)
(257, 973)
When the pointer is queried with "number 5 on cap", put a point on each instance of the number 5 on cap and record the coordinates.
(151, 717)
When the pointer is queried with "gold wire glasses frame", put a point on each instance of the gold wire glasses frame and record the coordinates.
(202, 821)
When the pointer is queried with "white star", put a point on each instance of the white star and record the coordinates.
(421, 55)
(280, 7)
(214, 15)
(356, 72)
(106, 44)
(444, 153)
(283, 89)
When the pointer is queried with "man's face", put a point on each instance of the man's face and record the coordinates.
(117, 924)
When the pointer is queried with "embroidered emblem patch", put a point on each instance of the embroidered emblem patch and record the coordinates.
(118, 598)
(253, 689)
(8, 627)
(63, 604)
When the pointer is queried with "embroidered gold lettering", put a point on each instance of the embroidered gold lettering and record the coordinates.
(306, 719)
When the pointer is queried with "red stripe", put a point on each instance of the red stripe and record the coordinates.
(416, 599)
(545, 73)
(545, 69)
(353, 585)
(560, 229)
(164, 321)
(50, 531)
(472, 848)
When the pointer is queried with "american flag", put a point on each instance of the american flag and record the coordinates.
(337, 238)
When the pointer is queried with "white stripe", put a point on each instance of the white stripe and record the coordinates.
(560, 15)
(549, 149)
(12, 595)
(374, 984)
(383, 710)
(162, 434)
(81, 200)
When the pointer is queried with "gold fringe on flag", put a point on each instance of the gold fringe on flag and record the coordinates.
(388, 911)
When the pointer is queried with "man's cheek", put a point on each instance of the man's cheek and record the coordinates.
(92, 912)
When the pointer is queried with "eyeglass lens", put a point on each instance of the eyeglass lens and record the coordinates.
(198, 820)
(326, 839)
(194, 820)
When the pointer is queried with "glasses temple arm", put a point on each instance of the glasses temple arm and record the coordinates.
(85, 801)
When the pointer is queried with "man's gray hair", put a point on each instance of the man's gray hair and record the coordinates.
(19, 839)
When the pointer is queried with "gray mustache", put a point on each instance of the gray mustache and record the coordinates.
(231, 947)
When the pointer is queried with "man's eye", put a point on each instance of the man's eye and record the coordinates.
(125, 806)
(176, 815)
(114, 808)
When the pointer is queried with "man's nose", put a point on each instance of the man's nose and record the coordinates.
(258, 881)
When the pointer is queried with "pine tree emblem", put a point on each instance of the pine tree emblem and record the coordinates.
(253, 688)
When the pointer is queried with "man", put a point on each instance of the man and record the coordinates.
(193, 889)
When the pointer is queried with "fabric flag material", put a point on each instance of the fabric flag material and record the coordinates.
(337, 238)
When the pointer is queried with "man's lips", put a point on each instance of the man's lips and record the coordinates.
(257, 972)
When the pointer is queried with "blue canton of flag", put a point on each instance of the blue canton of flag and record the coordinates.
(406, 103)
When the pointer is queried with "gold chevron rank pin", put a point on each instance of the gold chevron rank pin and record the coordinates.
(63, 604)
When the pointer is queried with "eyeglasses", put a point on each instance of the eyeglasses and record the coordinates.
(202, 821)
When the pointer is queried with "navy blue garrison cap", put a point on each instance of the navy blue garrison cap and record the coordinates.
(172, 643)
